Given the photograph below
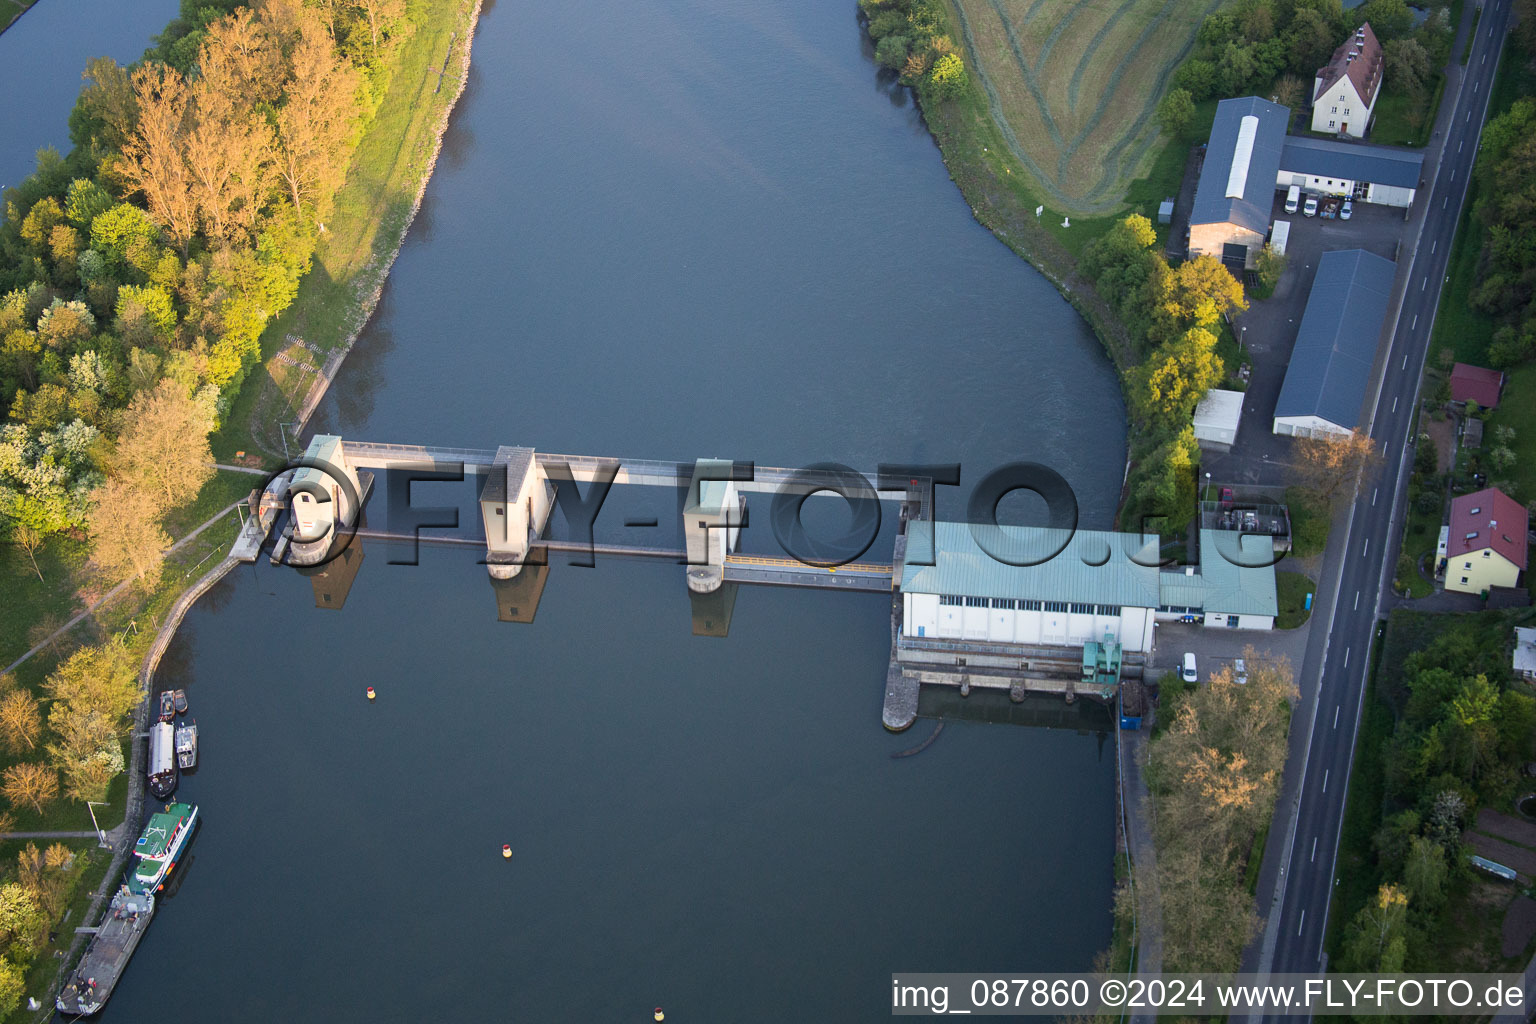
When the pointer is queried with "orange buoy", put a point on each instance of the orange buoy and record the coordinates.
(659, 1014)
(371, 694)
(506, 850)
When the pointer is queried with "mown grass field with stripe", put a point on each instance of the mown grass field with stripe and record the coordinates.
(1073, 86)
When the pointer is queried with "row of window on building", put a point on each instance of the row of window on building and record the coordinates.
(1017, 604)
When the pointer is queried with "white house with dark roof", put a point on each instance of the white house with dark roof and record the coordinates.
(1344, 91)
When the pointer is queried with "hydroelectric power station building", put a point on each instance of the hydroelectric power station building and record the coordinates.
(1101, 587)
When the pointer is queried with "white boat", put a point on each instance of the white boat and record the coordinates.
(162, 760)
(186, 745)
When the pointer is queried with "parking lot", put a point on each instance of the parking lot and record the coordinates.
(1267, 331)
(1214, 648)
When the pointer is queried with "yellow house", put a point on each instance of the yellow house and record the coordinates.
(1486, 547)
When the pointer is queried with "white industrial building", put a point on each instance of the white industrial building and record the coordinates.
(1217, 418)
(1352, 170)
(1324, 388)
(1102, 586)
(1249, 156)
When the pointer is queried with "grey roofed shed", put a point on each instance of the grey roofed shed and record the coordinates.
(1354, 161)
(1258, 163)
(1336, 342)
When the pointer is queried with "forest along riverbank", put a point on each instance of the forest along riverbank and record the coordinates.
(303, 348)
(409, 131)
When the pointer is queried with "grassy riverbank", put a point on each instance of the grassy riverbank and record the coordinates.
(365, 232)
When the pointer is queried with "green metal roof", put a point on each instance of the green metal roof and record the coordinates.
(1218, 585)
(1095, 567)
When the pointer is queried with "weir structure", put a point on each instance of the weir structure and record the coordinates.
(943, 576)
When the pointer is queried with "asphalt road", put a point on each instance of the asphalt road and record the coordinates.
(1304, 886)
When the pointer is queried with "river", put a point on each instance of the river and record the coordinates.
(656, 231)
(41, 57)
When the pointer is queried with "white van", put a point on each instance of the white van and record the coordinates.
(1189, 673)
(1293, 199)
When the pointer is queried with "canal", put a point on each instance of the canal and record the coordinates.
(658, 231)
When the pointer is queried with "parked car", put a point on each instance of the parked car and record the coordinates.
(1189, 674)
(1240, 672)
(1346, 211)
(1293, 199)
(1310, 210)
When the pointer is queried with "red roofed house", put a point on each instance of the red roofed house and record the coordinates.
(1487, 545)
(1344, 93)
(1476, 384)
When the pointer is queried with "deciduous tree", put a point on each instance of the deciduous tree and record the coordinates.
(30, 784)
(126, 538)
(1328, 464)
(315, 120)
(152, 163)
(164, 446)
(20, 722)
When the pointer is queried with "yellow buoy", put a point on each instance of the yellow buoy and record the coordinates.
(371, 694)
(506, 850)
(659, 1014)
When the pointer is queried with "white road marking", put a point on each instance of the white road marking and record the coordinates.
(1468, 117)
(1453, 176)
(1357, 601)
(1367, 550)
(1432, 247)
(1394, 403)
(1425, 283)
(1445, 202)
(1405, 360)
(1325, 780)
(1415, 325)
(1475, 86)
(1373, 496)
(1314, 849)
(1336, 716)
(1303, 923)
(1460, 144)
(1346, 657)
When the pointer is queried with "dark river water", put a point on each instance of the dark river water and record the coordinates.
(41, 57)
(659, 231)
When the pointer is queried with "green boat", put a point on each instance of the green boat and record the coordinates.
(160, 845)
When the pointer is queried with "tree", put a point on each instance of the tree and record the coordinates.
(1290, 91)
(1425, 873)
(1377, 938)
(1269, 265)
(152, 162)
(1329, 463)
(102, 678)
(947, 77)
(1389, 19)
(1167, 387)
(164, 449)
(1197, 293)
(29, 539)
(1176, 113)
(315, 121)
(35, 785)
(20, 722)
(1311, 42)
(126, 538)
(381, 16)
(1406, 66)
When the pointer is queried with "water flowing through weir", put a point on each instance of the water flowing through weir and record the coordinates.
(755, 252)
